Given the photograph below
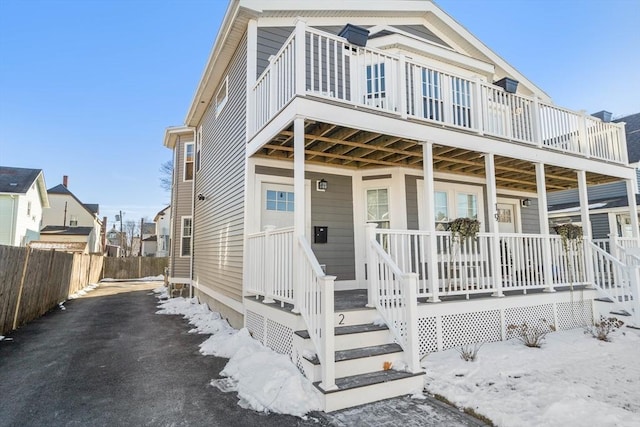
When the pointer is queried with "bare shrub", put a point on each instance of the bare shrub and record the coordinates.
(469, 353)
(532, 336)
(603, 327)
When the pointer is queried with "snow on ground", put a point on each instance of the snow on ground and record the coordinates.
(157, 278)
(81, 292)
(573, 380)
(264, 380)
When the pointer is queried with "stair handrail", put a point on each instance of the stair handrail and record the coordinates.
(623, 287)
(394, 295)
(317, 309)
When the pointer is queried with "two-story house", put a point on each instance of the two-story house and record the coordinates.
(71, 221)
(336, 143)
(23, 198)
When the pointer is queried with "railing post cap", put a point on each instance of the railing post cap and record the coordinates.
(269, 227)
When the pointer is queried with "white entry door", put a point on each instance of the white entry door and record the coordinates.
(506, 217)
(278, 205)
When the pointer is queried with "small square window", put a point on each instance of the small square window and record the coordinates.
(222, 95)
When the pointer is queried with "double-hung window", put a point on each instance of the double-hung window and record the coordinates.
(186, 232)
(188, 161)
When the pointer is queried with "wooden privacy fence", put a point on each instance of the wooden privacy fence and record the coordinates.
(133, 267)
(33, 281)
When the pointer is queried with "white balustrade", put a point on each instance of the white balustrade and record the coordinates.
(317, 308)
(334, 69)
(522, 261)
(567, 263)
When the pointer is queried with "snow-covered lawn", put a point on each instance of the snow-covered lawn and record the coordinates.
(573, 380)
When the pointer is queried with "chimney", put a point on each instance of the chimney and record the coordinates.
(65, 180)
(603, 115)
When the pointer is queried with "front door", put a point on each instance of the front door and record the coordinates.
(506, 217)
(278, 205)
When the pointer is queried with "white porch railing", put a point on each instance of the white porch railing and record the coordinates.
(618, 281)
(326, 66)
(393, 292)
(270, 272)
(316, 304)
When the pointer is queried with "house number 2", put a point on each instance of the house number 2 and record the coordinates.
(341, 319)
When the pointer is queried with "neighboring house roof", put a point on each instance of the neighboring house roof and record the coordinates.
(161, 213)
(609, 203)
(66, 231)
(149, 228)
(632, 130)
(19, 180)
(59, 246)
(92, 208)
(153, 238)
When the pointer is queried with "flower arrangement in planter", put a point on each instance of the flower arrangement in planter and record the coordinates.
(463, 229)
(571, 235)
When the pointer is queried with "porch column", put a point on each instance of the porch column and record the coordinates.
(299, 214)
(492, 202)
(586, 224)
(543, 215)
(430, 218)
(633, 209)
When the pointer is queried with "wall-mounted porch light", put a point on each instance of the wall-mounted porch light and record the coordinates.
(526, 203)
(322, 185)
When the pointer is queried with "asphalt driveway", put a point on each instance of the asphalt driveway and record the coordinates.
(109, 360)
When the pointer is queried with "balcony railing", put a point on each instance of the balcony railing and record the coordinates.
(319, 64)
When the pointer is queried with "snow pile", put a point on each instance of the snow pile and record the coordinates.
(264, 380)
(84, 291)
(572, 380)
(157, 278)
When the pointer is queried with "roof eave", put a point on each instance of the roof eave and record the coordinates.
(171, 135)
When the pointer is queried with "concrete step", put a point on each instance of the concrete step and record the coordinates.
(370, 387)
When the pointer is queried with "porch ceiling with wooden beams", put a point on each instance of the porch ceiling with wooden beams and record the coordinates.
(343, 147)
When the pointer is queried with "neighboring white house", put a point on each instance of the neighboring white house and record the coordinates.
(163, 229)
(335, 145)
(70, 220)
(23, 198)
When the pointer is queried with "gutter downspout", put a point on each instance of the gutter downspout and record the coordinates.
(193, 209)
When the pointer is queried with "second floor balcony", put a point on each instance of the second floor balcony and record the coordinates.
(313, 63)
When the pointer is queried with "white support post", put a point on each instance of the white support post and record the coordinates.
(492, 202)
(633, 209)
(300, 58)
(537, 122)
(299, 206)
(402, 86)
(477, 106)
(586, 224)
(372, 270)
(622, 143)
(432, 242)
(543, 214)
(269, 261)
(327, 284)
(583, 138)
(410, 280)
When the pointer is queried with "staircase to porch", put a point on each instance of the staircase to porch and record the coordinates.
(366, 357)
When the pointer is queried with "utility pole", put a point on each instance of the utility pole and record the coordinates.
(141, 227)
(122, 239)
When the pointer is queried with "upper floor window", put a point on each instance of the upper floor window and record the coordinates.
(29, 209)
(73, 221)
(376, 87)
(221, 95)
(188, 162)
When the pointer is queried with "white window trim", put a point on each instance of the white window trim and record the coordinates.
(184, 162)
(452, 189)
(221, 103)
(182, 236)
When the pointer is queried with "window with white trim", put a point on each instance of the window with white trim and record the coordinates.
(186, 232)
(188, 161)
(378, 207)
(222, 95)
(198, 147)
(73, 221)
(280, 201)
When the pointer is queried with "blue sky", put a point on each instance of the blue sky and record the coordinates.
(88, 87)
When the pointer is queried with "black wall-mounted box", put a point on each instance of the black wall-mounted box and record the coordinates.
(320, 233)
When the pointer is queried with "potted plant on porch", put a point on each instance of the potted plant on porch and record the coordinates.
(571, 236)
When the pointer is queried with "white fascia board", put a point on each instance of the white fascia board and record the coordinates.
(42, 190)
(361, 118)
(385, 6)
(171, 135)
(433, 51)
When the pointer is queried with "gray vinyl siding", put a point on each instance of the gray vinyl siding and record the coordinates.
(219, 218)
(422, 32)
(529, 216)
(270, 40)
(411, 188)
(332, 209)
(181, 205)
(595, 192)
